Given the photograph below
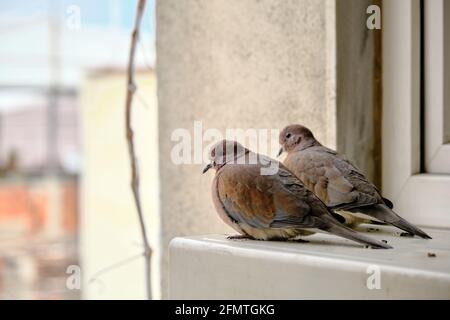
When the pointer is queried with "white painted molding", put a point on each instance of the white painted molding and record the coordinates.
(437, 98)
(401, 93)
(423, 199)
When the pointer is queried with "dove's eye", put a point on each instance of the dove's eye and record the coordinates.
(288, 135)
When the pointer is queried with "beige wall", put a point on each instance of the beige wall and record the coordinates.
(359, 87)
(236, 64)
(109, 225)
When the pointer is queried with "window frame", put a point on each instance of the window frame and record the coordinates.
(422, 198)
(437, 96)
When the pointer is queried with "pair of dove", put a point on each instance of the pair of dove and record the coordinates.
(316, 189)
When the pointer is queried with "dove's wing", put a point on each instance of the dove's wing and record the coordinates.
(341, 186)
(266, 201)
(333, 178)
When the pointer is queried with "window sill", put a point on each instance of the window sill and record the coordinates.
(327, 267)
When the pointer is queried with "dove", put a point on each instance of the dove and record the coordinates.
(337, 182)
(268, 207)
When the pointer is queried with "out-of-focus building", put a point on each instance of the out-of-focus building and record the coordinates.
(24, 133)
(47, 46)
(38, 203)
(111, 246)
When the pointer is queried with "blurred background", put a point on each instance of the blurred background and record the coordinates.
(62, 144)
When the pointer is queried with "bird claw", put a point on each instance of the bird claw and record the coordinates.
(238, 237)
(299, 240)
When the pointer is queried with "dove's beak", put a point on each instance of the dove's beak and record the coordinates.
(280, 152)
(208, 166)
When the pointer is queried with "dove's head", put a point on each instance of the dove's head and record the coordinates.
(223, 152)
(296, 137)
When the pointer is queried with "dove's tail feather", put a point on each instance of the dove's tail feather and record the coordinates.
(384, 213)
(342, 231)
(408, 227)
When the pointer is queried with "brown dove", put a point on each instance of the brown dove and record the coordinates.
(268, 206)
(337, 182)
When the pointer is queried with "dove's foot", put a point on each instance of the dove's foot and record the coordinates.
(299, 240)
(239, 237)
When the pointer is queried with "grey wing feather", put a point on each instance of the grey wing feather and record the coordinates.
(349, 188)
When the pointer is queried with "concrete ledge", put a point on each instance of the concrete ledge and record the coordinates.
(212, 267)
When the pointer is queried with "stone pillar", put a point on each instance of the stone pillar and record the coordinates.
(236, 64)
